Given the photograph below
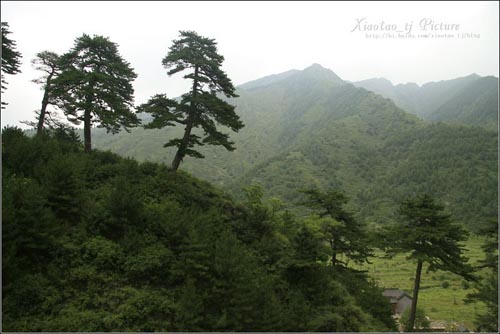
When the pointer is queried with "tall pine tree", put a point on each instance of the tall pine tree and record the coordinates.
(429, 234)
(200, 107)
(345, 234)
(48, 63)
(486, 290)
(11, 58)
(95, 86)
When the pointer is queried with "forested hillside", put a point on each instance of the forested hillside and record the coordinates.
(476, 104)
(471, 100)
(96, 242)
(310, 128)
(144, 191)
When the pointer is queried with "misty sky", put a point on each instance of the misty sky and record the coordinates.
(261, 38)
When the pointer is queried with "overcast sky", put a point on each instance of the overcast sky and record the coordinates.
(262, 38)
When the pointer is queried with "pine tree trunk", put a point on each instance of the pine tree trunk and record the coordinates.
(87, 139)
(413, 310)
(181, 151)
(86, 132)
(45, 103)
(41, 117)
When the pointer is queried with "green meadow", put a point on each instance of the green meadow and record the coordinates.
(442, 294)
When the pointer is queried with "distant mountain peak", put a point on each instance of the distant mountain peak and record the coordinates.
(315, 65)
(319, 72)
(474, 76)
(315, 72)
(316, 68)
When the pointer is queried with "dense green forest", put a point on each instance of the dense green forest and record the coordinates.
(311, 129)
(95, 242)
(325, 176)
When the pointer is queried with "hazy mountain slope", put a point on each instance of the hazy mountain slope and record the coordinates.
(475, 104)
(471, 100)
(432, 95)
(385, 88)
(267, 80)
(418, 100)
(382, 155)
(310, 128)
(268, 110)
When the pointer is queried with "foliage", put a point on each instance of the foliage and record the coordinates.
(11, 58)
(476, 104)
(486, 291)
(470, 100)
(345, 235)
(428, 233)
(422, 323)
(200, 107)
(95, 242)
(304, 131)
(369, 296)
(48, 63)
(439, 304)
(94, 86)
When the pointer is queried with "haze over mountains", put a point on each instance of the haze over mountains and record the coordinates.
(471, 100)
(311, 128)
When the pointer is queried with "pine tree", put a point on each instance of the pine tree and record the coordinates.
(11, 58)
(486, 290)
(95, 86)
(344, 233)
(47, 62)
(201, 106)
(430, 235)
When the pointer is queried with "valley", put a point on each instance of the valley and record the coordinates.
(249, 167)
(312, 129)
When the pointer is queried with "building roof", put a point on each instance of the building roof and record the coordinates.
(395, 294)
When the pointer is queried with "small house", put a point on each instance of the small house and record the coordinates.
(399, 301)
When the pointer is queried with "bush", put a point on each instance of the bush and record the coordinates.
(422, 322)
(445, 284)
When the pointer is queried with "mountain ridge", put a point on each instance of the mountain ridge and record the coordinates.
(312, 130)
(311, 71)
(431, 99)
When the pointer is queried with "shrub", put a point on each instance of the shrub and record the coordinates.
(422, 322)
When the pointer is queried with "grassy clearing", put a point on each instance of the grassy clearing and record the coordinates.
(441, 293)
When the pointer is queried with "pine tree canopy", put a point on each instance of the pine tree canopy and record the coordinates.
(47, 62)
(201, 107)
(345, 234)
(192, 51)
(95, 86)
(11, 58)
(428, 232)
(96, 79)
